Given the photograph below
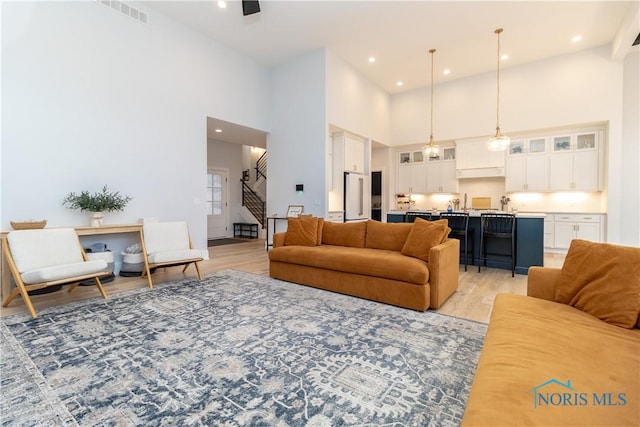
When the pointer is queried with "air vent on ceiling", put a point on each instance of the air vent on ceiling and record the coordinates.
(636, 41)
(126, 9)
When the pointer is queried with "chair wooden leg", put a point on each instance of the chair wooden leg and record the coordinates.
(185, 268)
(198, 270)
(22, 290)
(73, 286)
(100, 288)
(14, 293)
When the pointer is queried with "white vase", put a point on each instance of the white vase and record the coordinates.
(97, 219)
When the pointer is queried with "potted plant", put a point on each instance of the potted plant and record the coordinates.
(97, 203)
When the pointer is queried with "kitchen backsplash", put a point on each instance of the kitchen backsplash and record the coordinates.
(524, 202)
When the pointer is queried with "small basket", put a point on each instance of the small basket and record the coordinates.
(28, 225)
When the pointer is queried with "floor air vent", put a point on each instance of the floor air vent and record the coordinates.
(126, 9)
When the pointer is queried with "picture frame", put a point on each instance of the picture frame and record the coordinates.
(293, 211)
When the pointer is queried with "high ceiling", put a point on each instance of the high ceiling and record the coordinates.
(400, 33)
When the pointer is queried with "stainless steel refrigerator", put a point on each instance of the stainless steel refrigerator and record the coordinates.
(357, 197)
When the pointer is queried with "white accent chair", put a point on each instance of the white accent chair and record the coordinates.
(167, 244)
(48, 257)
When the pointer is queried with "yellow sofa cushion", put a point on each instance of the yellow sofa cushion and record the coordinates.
(423, 236)
(531, 341)
(352, 234)
(603, 280)
(368, 262)
(389, 236)
(302, 231)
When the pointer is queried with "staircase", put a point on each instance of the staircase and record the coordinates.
(261, 167)
(250, 198)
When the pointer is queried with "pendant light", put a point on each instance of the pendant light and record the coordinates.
(431, 150)
(498, 142)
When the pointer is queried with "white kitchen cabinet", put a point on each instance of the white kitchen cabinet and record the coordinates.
(577, 226)
(412, 175)
(412, 178)
(335, 216)
(474, 160)
(349, 153)
(526, 168)
(549, 225)
(575, 163)
(441, 173)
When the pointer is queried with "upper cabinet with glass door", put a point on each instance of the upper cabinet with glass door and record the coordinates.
(408, 157)
(528, 146)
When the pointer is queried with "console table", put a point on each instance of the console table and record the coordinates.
(275, 220)
(5, 285)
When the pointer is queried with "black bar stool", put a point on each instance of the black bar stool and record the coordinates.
(411, 216)
(497, 226)
(459, 224)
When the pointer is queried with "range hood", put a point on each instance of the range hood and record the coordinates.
(474, 160)
(481, 172)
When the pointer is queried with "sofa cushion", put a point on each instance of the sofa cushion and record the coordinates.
(302, 231)
(389, 236)
(602, 279)
(36, 249)
(350, 234)
(531, 341)
(423, 236)
(59, 272)
(369, 262)
(174, 256)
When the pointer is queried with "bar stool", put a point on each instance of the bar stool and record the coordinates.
(411, 216)
(500, 227)
(459, 224)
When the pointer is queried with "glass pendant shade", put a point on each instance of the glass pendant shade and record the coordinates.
(431, 150)
(498, 142)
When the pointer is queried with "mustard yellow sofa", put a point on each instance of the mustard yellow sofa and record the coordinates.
(568, 354)
(407, 265)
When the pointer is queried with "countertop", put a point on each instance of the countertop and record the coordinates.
(476, 213)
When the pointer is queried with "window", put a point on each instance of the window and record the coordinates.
(214, 194)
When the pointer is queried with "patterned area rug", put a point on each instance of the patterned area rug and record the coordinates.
(233, 350)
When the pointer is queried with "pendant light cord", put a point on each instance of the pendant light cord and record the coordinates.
(498, 31)
(432, 51)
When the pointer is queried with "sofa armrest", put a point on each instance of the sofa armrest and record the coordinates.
(541, 282)
(444, 268)
(278, 239)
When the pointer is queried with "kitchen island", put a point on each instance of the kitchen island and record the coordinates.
(529, 240)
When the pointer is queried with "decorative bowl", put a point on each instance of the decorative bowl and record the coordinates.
(28, 225)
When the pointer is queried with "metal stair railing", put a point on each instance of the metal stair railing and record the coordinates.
(261, 166)
(252, 201)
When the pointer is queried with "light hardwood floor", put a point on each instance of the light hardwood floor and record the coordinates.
(473, 300)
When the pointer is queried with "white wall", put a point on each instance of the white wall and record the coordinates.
(630, 150)
(354, 103)
(297, 141)
(584, 87)
(91, 97)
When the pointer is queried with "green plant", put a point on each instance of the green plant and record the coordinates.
(105, 200)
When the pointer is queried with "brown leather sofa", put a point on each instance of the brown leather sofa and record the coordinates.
(368, 260)
(568, 354)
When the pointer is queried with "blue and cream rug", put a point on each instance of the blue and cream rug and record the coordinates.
(235, 350)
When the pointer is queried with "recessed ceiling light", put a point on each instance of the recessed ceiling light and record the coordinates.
(504, 57)
(222, 4)
(372, 59)
(446, 72)
(399, 84)
(218, 130)
(576, 39)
